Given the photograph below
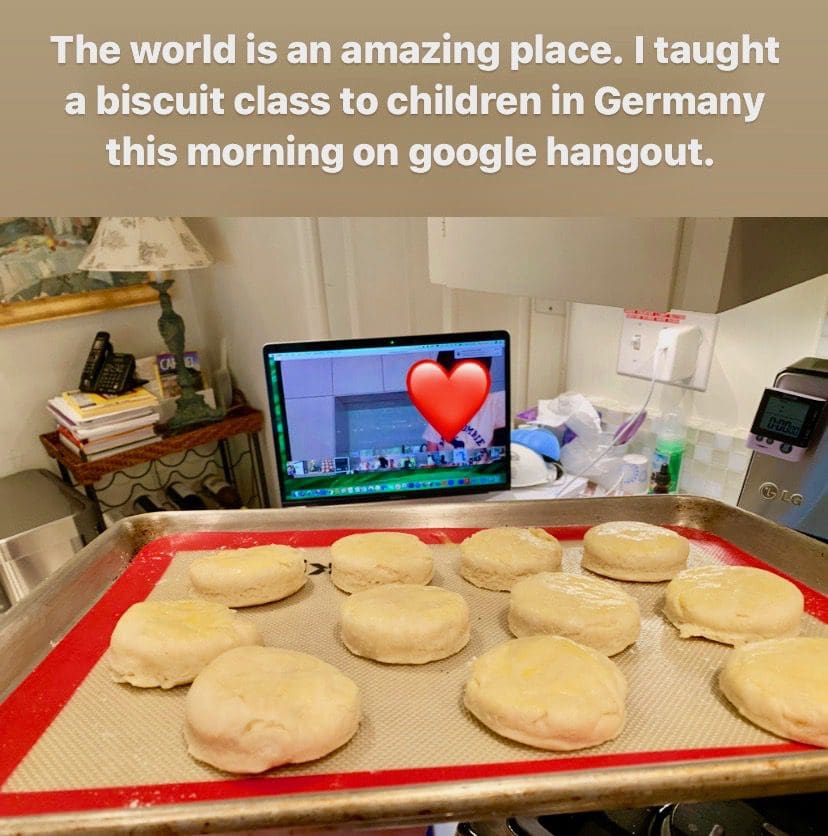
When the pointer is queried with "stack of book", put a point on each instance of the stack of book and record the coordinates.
(94, 426)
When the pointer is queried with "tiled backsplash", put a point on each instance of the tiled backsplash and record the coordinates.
(715, 457)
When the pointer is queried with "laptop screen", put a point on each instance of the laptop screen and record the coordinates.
(346, 429)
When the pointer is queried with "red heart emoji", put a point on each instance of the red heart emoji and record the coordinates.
(447, 400)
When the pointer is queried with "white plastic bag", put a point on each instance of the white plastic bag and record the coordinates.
(572, 410)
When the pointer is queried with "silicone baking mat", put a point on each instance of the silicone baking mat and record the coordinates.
(81, 741)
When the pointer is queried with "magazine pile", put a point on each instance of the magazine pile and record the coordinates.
(160, 374)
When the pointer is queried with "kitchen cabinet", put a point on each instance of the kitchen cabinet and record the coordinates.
(605, 261)
(698, 264)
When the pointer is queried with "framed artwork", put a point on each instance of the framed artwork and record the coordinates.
(39, 276)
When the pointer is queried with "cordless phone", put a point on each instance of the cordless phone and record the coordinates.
(106, 372)
(101, 349)
(116, 375)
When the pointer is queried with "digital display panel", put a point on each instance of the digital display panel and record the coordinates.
(345, 428)
(783, 416)
(787, 417)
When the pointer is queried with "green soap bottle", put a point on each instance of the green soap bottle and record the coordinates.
(669, 450)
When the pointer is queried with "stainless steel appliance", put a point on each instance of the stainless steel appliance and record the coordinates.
(787, 478)
(43, 523)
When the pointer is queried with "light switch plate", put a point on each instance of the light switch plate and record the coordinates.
(639, 337)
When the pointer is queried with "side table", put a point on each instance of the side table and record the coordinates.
(240, 420)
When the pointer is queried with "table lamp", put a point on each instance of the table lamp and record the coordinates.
(157, 246)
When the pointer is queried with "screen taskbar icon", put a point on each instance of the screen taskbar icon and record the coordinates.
(430, 484)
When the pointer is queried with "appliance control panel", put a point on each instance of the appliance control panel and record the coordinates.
(785, 423)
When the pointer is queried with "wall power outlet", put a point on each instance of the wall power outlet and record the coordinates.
(688, 338)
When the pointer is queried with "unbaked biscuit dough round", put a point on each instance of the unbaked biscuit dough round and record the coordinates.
(254, 708)
(781, 685)
(495, 558)
(548, 692)
(247, 577)
(634, 551)
(161, 644)
(733, 604)
(405, 624)
(359, 561)
(578, 607)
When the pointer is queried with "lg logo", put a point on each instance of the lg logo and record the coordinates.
(770, 490)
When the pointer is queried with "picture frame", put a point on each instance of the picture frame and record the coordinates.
(39, 279)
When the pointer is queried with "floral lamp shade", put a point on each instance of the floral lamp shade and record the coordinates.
(144, 244)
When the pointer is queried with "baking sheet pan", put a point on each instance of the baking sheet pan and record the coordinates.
(416, 737)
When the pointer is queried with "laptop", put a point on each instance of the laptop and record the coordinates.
(345, 428)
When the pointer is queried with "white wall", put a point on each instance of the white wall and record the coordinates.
(40, 360)
(754, 341)
(376, 278)
(264, 287)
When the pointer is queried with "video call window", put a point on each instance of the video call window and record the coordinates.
(345, 427)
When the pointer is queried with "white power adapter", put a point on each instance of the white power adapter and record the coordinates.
(677, 352)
